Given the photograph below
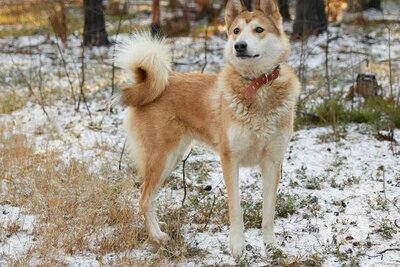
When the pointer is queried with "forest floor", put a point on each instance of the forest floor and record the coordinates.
(68, 197)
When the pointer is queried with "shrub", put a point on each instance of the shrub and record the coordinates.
(377, 111)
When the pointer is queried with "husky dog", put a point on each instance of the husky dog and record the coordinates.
(245, 112)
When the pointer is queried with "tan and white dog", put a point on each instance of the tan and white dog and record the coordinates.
(245, 112)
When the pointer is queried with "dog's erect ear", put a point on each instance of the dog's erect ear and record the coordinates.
(269, 8)
(233, 8)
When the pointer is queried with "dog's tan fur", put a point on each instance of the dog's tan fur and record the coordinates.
(165, 114)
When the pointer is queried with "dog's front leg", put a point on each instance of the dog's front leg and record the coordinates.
(231, 170)
(271, 172)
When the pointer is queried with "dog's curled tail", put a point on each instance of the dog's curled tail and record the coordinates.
(148, 59)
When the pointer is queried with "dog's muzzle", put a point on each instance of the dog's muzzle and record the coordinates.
(241, 50)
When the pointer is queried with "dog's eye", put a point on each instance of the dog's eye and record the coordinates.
(259, 30)
(236, 30)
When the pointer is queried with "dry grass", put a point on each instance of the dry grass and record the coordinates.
(28, 17)
(11, 101)
(178, 249)
(13, 12)
(79, 211)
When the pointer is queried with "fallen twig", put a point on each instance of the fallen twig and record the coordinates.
(120, 158)
(205, 47)
(395, 223)
(64, 62)
(82, 83)
(40, 89)
(388, 249)
(210, 213)
(382, 169)
(184, 177)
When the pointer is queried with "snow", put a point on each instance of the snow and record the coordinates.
(361, 153)
(19, 243)
(348, 172)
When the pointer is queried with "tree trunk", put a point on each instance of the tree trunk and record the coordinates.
(360, 5)
(155, 19)
(374, 4)
(204, 9)
(94, 33)
(310, 18)
(284, 9)
(247, 4)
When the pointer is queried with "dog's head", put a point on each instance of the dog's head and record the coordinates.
(256, 40)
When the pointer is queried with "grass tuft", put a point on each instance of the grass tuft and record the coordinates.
(11, 101)
(285, 205)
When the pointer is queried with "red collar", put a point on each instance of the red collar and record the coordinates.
(257, 83)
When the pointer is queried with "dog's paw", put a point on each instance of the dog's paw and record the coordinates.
(269, 239)
(162, 224)
(160, 238)
(272, 247)
(237, 245)
(237, 250)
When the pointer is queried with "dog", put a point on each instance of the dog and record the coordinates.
(245, 112)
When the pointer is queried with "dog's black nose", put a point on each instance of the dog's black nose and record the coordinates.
(240, 47)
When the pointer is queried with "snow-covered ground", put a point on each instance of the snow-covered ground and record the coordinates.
(338, 199)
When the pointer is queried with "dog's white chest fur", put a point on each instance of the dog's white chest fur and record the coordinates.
(250, 148)
(247, 147)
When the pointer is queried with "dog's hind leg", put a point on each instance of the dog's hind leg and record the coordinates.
(231, 176)
(157, 166)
